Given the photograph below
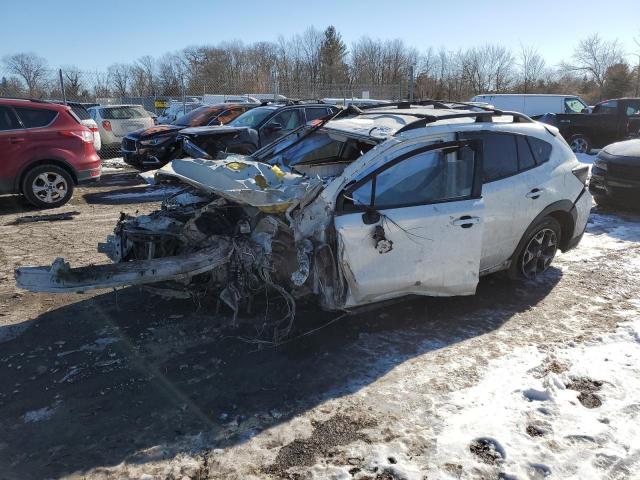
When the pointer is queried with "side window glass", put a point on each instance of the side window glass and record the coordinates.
(606, 107)
(525, 156)
(633, 109)
(427, 177)
(362, 194)
(35, 117)
(541, 150)
(288, 120)
(500, 157)
(315, 113)
(7, 120)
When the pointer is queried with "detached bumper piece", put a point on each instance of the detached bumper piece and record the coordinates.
(60, 277)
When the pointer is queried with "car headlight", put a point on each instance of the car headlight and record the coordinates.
(601, 164)
(152, 142)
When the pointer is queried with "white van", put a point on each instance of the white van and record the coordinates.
(534, 105)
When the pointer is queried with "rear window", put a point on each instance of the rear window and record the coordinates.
(197, 117)
(7, 120)
(525, 156)
(123, 113)
(80, 112)
(35, 117)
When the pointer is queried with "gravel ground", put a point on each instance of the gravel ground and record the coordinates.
(125, 385)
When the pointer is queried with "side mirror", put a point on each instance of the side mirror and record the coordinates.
(273, 127)
(585, 110)
(215, 122)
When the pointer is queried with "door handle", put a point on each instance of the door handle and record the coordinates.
(466, 221)
(535, 193)
(16, 139)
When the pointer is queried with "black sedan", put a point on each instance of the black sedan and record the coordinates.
(615, 176)
(155, 146)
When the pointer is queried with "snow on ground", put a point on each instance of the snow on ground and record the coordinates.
(571, 412)
(113, 165)
(586, 158)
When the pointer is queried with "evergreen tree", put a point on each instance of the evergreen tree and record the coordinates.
(333, 51)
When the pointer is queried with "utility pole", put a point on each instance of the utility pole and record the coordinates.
(411, 81)
(64, 95)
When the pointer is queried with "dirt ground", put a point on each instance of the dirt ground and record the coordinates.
(127, 385)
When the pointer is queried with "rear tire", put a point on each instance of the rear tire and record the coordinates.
(580, 144)
(536, 250)
(47, 186)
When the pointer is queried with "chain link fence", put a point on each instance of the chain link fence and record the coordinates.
(156, 93)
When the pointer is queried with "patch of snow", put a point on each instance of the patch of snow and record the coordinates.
(586, 158)
(113, 165)
(566, 439)
(39, 415)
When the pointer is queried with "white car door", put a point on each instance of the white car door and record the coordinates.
(515, 189)
(413, 226)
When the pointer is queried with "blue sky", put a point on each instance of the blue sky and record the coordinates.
(95, 34)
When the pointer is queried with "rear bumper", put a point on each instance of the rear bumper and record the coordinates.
(580, 212)
(87, 176)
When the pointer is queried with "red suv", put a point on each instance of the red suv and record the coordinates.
(44, 151)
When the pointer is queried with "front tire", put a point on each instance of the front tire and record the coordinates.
(580, 144)
(47, 186)
(536, 250)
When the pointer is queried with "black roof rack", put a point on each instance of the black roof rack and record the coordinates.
(485, 116)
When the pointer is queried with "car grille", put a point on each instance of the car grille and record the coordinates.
(128, 144)
(624, 171)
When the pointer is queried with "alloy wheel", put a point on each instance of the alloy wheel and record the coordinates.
(579, 145)
(539, 253)
(50, 187)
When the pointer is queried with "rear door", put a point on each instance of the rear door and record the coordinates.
(42, 135)
(414, 225)
(13, 139)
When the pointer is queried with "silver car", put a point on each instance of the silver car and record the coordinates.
(116, 121)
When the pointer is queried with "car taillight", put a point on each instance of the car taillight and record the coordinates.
(581, 173)
(106, 124)
(84, 135)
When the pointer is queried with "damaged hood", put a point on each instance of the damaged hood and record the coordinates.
(244, 181)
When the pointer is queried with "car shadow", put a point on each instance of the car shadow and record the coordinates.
(97, 382)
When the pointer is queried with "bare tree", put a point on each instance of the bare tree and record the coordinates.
(594, 56)
(531, 67)
(72, 82)
(121, 75)
(29, 67)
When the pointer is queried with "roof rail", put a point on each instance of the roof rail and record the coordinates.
(26, 99)
(407, 104)
(480, 117)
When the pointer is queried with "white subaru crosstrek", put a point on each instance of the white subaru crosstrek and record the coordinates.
(373, 204)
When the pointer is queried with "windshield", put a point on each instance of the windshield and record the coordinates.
(317, 148)
(197, 117)
(574, 105)
(123, 113)
(252, 118)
